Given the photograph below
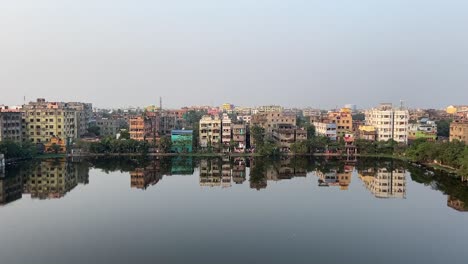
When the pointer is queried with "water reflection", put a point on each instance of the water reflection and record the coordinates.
(52, 179)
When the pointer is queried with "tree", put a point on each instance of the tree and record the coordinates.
(165, 144)
(55, 148)
(124, 134)
(299, 147)
(443, 128)
(94, 130)
(258, 135)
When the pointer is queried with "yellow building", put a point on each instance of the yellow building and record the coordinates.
(343, 120)
(459, 131)
(44, 120)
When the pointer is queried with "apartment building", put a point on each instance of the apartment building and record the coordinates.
(83, 116)
(343, 120)
(210, 132)
(367, 133)
(137, 128)
(326, 128)
(239, 137)
(43, 120)
(459, 131)
(108, 126)
(286, 134)
(10, 125)
(390, 122)
(226, 136)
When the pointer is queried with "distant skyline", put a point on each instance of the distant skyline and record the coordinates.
(322, 54)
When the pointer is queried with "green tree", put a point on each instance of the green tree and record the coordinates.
(165, 144)
(124, 134)
(443, 127)
(94, 130)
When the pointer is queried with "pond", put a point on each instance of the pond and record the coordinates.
(231, 210)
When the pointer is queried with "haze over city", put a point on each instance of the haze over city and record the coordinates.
(294, 53)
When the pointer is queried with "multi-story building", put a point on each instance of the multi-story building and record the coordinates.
(239, 137)
(459, 131)
(226, 135)
(10, 125)
(83, 116)
(137, 128)
(239, 170)
(423, 129)
(390, 123)
(108, 126)
(210, 132)
(43, 120)
(343, 120)
(286, 134)
(326, 128)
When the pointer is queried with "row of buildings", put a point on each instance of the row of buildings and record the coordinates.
(44, 123)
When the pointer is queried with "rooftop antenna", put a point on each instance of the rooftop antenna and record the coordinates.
(160, 103)
(401, 104)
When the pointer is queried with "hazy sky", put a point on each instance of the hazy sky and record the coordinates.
(247, 52)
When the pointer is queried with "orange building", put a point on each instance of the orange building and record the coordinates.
(137, 128)
(55, 145)
(343, 120)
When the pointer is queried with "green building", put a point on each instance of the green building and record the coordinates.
(182, 141)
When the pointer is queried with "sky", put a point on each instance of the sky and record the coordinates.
(116, 53)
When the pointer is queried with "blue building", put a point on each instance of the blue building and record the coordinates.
(182, 141)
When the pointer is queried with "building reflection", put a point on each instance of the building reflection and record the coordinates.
(283, 168)
(456, 204)
(210, 172)
(384, 182)
(335, 176)
(48, 179)
(239, 170)
(143, 177)
(54, 178)
(11, 189)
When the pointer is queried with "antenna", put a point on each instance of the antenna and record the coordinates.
(160, 103)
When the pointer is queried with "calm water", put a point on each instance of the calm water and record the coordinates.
(184, 210)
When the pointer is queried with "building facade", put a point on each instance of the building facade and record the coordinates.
(459, 131)
(210, 132)
(327, 129)
(390, 122)
(10, 125)
(182, 141)
(343, 120)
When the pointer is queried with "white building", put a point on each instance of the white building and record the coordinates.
(226, 133)
(390, 122)
(326, 129)
(210, 131)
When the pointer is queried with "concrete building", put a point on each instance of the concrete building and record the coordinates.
(226, 136)
(327, 129)
(459, 131)
(43, 120)
(239, 137)
(244, 118)
(343, 120)
(83, 116)
(286, 134)
(210, 132)
(108, 126)
(390, 122)
(10, 125)
(137, 128)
